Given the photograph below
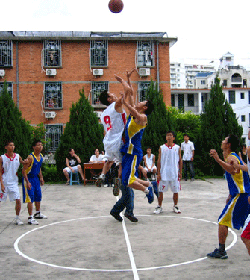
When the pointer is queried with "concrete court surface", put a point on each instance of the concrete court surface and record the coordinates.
(80, 240)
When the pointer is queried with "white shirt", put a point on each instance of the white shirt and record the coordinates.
(10, 167)
(188, 149)
(149, 161)
(114, 124)
(94, 158)
(169, 162)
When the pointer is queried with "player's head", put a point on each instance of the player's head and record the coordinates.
(37, 145)
(234, 142)
(170, 136)
(9, 145)
(145, 107)
(106, 98)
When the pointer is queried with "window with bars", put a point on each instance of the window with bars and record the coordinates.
(190, 99)
(9, 88)
(53, 135)
(99, 53)
(96, 89)
(231, 97)
(52, 53)
(145, 54)
(142, 90)
(53, 95)
(6, 50)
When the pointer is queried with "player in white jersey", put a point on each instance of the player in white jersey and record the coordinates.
(169, 169)
(149, 162)
(9, 164)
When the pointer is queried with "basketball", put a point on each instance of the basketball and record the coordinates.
(115, 6)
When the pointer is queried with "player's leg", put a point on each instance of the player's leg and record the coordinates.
(245, 236)
(247, 243)
(38, 199)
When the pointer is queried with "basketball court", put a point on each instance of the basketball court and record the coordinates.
(80, 240)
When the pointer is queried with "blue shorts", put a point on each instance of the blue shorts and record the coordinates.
(235, 212)
(35, 193)
(130, 165)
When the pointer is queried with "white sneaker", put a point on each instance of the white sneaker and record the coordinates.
(158, 210)
(40, 216)
(19, 222)
(105, 185)
(176, 209)
(32, 221)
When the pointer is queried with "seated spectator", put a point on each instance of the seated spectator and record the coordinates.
(149, 163)
(96, 157)
(72, 165)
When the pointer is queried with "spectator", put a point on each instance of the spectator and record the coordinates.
(72, 165)
(96, 157)
(149, 163)
(188, 156)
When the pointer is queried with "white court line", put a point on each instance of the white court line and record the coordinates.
(130, 253)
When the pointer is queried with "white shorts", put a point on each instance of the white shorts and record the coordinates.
(165, 185)
(152, 168)
(12, 191)
(113, 156)
(75, 168)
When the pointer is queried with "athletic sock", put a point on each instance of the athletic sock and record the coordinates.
(146, 191)
(221, 247)
(37, 212)
(17, 216)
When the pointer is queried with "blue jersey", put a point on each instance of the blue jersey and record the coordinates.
(35, 167)
(238, 183)
(133, 137)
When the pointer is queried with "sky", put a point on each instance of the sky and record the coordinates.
(206, 30)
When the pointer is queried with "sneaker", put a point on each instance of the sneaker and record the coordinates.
(131, 218)
(105, 185)
(116, 187)
(116, 216)
(32, 221)
(158, 210)
(176, 209)
(19, 222)
(217, 254)
(39, 215)
(150, 195)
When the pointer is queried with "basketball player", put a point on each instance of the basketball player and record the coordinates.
(9, 164)
(113, 119)
(149, 162)
(32, 178)
(169, 170)
(237, 207)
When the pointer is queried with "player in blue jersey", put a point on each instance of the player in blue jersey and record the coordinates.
(32, 179)
(131, 150)
(237, 207)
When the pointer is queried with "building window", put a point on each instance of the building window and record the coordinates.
(190, 100)
(249, 97)
(181, 102)
(9, 88)
(99, 53)
(203, 82)
(224, 83)
(6, 51)
(53, 95)
(231, 97)
(96, 89)
(142, 90)
(145, 53)
(243, 118)
(242, 95)
(53, 134)
(172, 100)
(52, 53)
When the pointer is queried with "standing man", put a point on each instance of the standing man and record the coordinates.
(169, 170)
(188, 156)
(237, 207)
(9, 164)
(32, 178)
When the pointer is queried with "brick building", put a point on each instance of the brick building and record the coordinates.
(46, 70)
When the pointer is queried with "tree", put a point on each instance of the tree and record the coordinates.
(83, 133)
(13, 126)
(159, 122)
(217, 121)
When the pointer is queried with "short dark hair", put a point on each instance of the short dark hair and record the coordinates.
(35, 142)
(103, 97)
(150, 108)
(7, 142)
(186, 135)
(170, 131)
(234, 141)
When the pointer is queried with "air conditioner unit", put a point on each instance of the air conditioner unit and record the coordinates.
(50, 115)
(50, 72)
(98, 72)
(144, 71)
(2, 73)
(98, 113)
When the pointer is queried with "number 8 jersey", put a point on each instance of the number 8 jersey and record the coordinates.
(114, 124)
